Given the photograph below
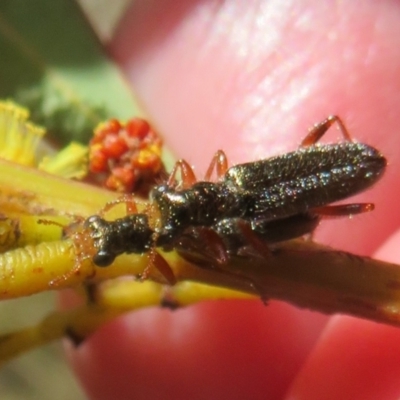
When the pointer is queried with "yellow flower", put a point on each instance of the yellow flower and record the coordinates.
(22, 142)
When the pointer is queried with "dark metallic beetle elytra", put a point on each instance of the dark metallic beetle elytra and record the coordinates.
(272, 189)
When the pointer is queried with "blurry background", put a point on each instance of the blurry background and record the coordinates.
(43, 373)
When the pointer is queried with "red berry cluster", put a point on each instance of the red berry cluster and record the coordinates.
(127, 153)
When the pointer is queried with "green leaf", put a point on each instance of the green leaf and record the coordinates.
(52, 63)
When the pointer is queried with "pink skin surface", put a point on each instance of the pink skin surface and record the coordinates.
(251, 77)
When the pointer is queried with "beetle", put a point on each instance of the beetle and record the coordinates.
(301, 184)
(271, 200)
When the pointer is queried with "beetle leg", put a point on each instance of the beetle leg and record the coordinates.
(203, 246)
(252, 239)
(193, 247)
(318, 130)
(214, 244)
(219, 163)
(158, 261)
(168, 298)
(188, 176)
(343, 210)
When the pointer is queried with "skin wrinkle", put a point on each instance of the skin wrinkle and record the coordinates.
(260, 84)
(224, 27)
(254, 108)
(236, 81)
(292, 95)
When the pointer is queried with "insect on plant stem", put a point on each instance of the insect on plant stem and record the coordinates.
(249, 205)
